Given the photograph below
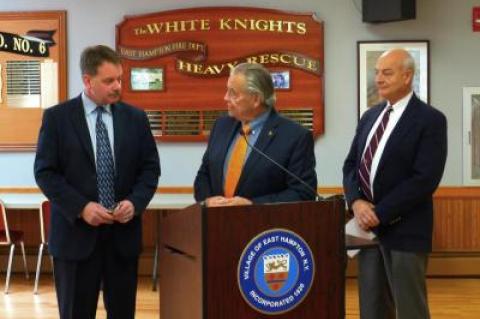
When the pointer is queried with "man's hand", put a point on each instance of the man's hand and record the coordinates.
(217, 201)
(365, 214)
(124, 212)
(95, 214)
(238, 201)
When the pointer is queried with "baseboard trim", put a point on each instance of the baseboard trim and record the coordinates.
(145, 266)
(441, 265)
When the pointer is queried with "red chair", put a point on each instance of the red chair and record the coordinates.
(44, 217)
(10, 238)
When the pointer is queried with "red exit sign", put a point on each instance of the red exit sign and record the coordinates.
(476, 19)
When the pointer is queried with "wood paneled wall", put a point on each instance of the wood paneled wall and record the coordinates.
(457, 225)
(456, 239)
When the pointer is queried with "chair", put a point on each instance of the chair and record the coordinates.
(44, 217)
(10, 238)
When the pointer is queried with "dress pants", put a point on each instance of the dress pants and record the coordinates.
(78, 282)
(392, 284)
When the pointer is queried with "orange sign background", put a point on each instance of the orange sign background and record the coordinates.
(196, 48)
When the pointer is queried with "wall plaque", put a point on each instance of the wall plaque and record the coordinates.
(186, 56)
(32, 73)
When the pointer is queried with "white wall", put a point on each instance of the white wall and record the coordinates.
(455, 52)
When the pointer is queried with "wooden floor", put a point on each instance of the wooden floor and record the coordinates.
(448, 298)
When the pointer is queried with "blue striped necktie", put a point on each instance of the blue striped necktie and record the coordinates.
(105, 166)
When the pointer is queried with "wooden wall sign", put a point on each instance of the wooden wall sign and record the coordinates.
(32, 73)
(176, 64)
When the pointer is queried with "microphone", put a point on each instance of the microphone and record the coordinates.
(291, 174)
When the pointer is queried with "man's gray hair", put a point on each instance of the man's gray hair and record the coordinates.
(258, 81)
(409, 63)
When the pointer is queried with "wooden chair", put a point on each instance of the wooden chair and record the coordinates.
(44, 217)
(10, 238)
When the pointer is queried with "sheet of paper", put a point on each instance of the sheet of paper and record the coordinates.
(353, 229)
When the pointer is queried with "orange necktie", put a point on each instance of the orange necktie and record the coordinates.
(235, 165)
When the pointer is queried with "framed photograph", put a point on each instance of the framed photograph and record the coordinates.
(147, 79)
(369, 51)
(471, 136)
(281, 80)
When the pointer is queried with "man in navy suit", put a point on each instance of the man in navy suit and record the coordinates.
(394, 165)
(250, 99)
(97, 163)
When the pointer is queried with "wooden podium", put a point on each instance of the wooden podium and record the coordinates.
(200, 250)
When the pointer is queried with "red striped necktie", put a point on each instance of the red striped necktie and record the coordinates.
(366, 162)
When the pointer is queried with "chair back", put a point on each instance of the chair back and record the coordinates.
(44, 220)
(4, 225)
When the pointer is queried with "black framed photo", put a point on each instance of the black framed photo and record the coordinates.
(369, 51)
(147, 79)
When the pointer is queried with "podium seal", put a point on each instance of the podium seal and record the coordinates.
(275, 271)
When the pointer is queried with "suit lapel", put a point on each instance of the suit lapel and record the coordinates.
(266, 137)
(362, 141)
(119, 125)
(79, 122)
(223, 145)
(403, 126)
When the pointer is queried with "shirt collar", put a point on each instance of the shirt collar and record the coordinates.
(258, 122)
(89, 106)
(402, 103)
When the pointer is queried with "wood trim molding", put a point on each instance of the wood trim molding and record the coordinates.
(175, 190)
(20, 190)
(457, 192)
(332, 190)
(33, 190)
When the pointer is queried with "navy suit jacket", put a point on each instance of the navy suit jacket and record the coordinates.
(287, 142)
(65, 172)
(408, 173)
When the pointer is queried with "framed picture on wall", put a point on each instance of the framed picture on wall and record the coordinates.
(147, 79)
(369, 51)
(281, 80)
(471, 136)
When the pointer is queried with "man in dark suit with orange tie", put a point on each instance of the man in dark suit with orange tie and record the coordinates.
(231, 172)
(97, 163)
(394, 165)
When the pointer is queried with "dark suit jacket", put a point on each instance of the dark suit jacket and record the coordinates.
(408, 173)
(261, 181)
(65, 172)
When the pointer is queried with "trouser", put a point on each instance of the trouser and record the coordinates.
(78, 282)
(392, 284)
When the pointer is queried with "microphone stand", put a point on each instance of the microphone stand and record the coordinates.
(310, 188)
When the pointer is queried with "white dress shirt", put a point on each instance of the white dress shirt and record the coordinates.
(397, 111)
